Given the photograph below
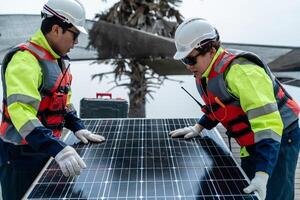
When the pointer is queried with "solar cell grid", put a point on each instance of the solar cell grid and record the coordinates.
(140, 161)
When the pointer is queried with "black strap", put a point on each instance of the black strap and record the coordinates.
(55, 126)
(48, 112)
(238, 134)
(238, 119)
(282, 101)
(286, 97)
(204, 84)
(5, 118)
(4, 107)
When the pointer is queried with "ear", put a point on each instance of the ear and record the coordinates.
(213, 52)
(55, 30)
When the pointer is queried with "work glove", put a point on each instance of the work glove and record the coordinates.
(258, 184)
(187, 132)
(69, 161)
(85, 136)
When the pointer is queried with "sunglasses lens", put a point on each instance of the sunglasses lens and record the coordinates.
(189, 60)
(75, 34)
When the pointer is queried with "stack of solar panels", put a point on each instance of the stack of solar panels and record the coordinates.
(140, 161)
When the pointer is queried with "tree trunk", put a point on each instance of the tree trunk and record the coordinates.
(137, 91)
(137, 111)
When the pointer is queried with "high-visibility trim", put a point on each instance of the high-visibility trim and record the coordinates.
(23, 99)
(53, 93)
(263, 110)
(225, 59)
(266, 134)
(243, 152)
(40, 53)
(29, 126)
(241, 129)
(37, 51)
(242, 62)
(12, 135)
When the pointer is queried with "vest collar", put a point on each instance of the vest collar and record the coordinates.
(218, 53)
(39, 39)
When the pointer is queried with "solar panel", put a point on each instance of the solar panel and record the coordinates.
(140, 161)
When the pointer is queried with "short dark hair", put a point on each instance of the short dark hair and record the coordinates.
(208, 45)
(48, 22)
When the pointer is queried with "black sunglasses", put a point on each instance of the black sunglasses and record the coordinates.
(190, 60)
(75, 34)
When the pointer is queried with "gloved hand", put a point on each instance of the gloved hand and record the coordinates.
(69, 161)
(187, 132)
(258, 184)
(85, 136)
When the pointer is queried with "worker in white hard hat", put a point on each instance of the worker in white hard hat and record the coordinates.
(36, 101)
(241, 93)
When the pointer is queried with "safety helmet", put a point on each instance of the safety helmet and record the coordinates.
(193, 33)
(70, 11)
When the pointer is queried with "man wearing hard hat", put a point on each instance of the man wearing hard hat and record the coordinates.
(36, 101)
(240, 91)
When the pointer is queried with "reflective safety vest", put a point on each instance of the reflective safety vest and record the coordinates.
(223, 107)
(54, 91)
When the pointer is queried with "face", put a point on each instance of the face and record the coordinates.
(201, 62)
(63, 42)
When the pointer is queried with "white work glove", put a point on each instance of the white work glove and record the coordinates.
(258, 184)
(69, 161)
(187, 132)
(85, 136)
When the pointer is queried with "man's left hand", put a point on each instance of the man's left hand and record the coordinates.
(85, 136)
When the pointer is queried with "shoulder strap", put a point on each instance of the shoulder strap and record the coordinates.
(39, 52)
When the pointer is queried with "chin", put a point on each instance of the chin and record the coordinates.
(198, 76)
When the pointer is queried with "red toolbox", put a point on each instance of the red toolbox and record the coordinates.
(103, 107)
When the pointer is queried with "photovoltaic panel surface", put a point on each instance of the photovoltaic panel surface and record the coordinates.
(139, 160)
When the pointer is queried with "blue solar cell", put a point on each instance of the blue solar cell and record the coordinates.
(140, 161)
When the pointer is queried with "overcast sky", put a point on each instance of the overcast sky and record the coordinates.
(273, 22)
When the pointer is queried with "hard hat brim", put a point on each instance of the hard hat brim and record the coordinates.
(81, 29)
(181, 54)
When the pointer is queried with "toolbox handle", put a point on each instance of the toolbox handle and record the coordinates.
(103, 94)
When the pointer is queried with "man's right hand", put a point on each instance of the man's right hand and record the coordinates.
(187, 132)
(69, 161)
(258, 184)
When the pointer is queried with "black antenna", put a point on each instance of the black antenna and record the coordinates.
(63, 76)
(193, 97)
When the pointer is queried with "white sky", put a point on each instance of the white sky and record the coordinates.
(273, 22)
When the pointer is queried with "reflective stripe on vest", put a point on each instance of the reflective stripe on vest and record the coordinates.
(225, 108)
(52, 107)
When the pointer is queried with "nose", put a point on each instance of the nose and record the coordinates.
(189, 67)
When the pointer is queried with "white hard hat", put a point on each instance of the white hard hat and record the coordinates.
(70, 11)
(190, 34)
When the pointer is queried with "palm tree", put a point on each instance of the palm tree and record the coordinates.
(156, 16)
